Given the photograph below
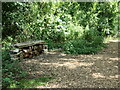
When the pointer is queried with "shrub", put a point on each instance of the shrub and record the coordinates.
(90, 43)
(79, 46)
(53, 45)
(11, 70)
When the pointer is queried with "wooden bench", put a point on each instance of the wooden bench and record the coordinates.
(29, 49)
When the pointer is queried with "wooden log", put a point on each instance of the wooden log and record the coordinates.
(28, 43)
(30, 49)
(25, 50)
(35, 47)
(36, 52)
(40, 48)
(15, 51)
(30, 56)
(45, 48)
(26, 55)
(21, 55)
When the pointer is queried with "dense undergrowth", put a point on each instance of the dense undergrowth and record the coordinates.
(11, 70)
(15, 77)
(75, 27)
(89, 43)
(31, 83)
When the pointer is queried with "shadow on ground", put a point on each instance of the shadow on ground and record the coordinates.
(78, 71)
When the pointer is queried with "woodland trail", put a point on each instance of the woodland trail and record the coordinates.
(77, 71)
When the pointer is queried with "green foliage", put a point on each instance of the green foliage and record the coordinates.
(89, 43)
(11, 70)
(7, 43)
(79, 46)
(52, 20)
(53, 45)
(26, 83)
(78, 27)
(58, 22)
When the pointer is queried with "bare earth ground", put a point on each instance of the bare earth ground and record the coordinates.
(77, 71)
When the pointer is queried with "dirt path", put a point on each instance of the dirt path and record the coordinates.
(81, 71)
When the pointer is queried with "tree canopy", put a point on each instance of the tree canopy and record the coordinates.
(51, 20)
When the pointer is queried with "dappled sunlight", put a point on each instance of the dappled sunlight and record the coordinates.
(98, 69)
(105, 58)
(114, 59)
(99, 75)
(74, 65)
(53, 53)
(36, 72)
(49, 86)
(70, 65)
(54, 64)
(116, 67)
(62, 54)
(68, 59)
(113, 77)
(109, 61)
(31, 61)
(98, 57)
(114, 41)
(63, 40)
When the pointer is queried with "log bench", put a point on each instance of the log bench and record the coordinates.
(28, 49)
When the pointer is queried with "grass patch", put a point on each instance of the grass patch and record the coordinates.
(32, 83)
